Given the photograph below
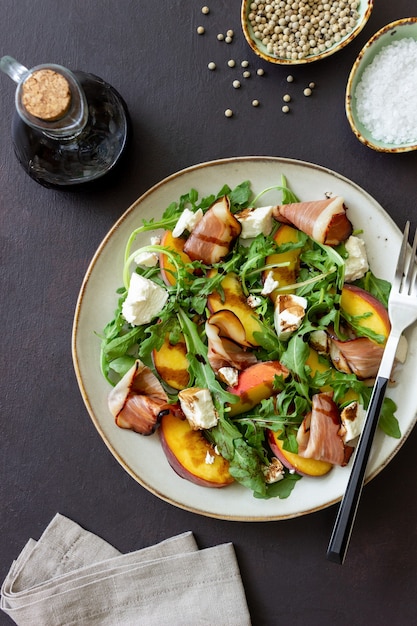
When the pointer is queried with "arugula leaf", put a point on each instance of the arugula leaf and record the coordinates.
(387, 420)
(295, 356)
(245, 462)
(239, 197)
(200, 370)
(378, 287)
(282, 489)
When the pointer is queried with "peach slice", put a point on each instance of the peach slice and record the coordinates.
(255, 384)
(229, 326)
(321, 364)
(355, 301)
(303, 466)
(171, 363)
(190, 455)
(286, 275)
(235, 301)
(167, 268)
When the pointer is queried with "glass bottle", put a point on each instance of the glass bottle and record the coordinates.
(69, 128)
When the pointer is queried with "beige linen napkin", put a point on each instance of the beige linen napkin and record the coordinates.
(71, 577)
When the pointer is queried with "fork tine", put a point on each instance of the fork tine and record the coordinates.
(411, 267)
(399, 270)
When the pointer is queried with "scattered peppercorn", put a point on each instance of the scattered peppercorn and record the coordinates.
(290, 78)
(211, 65)
(205, 10)
(231, 63)
(236, 84)
(245, 63)
(246, 74)
(307, 91)
(220, 36)
(255, 103)
(201, 30)
(228, 113)
(260, 71)
(287, 98)
(228, 39)
(285, 108)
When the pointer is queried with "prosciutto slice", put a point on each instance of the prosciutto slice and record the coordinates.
(223, 352)
(212, 237)
(323, 220)
(319, 436)
(137, 400)
(361, 356)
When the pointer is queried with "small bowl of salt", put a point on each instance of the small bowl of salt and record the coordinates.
(381, 93)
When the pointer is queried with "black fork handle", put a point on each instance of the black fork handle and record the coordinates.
(345, 519)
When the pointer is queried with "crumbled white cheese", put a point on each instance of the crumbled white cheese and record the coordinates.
(197, 406)
(209, 458)
(288, 314)
(319, 341)
(145, 299)
(270, 284)
(255, 221)
(229, 375)
(273, 472)
(356, 265)
(187, 221)
(253, 301)
(352, 418)
(147, 259)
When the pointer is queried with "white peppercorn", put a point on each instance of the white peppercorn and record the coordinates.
(205, 10)
(295, 29)
(211, 65)
(228, 113)
(201, 30)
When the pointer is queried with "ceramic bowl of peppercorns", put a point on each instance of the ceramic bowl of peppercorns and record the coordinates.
(381, 95)
(293, 32)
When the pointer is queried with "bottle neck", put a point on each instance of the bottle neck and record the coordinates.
(50, 99)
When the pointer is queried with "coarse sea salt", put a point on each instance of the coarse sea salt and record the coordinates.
(386, 95)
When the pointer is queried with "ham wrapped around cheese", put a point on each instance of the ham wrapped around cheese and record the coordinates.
(324, 221)
(360, 356)
(320, 434)
(137, 400)
(211, 239)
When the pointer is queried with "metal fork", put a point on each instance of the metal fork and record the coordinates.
(402, 309)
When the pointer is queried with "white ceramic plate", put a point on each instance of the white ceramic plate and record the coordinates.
(142, 456)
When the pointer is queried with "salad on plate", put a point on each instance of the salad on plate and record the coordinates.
(248, 336)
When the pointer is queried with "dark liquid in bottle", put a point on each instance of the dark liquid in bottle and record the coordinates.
(68, 162)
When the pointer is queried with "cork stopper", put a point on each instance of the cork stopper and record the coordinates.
(46, 95)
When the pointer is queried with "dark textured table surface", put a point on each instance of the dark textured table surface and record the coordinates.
(52, 459)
